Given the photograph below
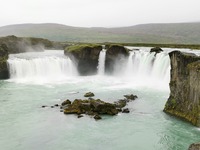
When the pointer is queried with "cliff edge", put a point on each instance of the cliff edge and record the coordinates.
(184, 100)
(4, 74)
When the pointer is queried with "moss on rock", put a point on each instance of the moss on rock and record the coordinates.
(184, 100)
(86, 56)
(78, 48)
(114, 53)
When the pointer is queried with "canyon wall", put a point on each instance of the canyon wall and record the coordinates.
(184, 99)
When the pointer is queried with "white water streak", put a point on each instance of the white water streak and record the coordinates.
(40, 68)
(101, 63)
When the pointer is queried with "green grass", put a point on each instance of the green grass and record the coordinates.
(80, 47)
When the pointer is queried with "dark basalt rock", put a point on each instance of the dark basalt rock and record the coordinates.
(89, 94)
(130, 97)
(94, 107)
(194, 146)
(120, 103)
(44, 106)
(79, 116)
(90, 107)
(4, 73)
(97, 117)
(66, 102)
(156, 50)
(86, 56)
(184, 99)
(114, 53)
(126, 110)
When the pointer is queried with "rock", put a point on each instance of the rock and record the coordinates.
(89, 94)
(194, 146)
(66, 102)
(22, 44)
(61, 110)
(114, 54)
(119, 109)
(183, 101)
(56, 105)
(126, 110)
(91, 107)
(131, 97)
(156, 50)
(44, 106)
(97, 117)
(79, 116)
(86, 56)
(104, 108)
(4, 73)
(121, 103)
(52, 106)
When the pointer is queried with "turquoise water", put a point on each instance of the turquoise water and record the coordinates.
(24, 125)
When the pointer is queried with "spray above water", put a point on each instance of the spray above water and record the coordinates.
(141, 67)
(41, 66)
(145, 68)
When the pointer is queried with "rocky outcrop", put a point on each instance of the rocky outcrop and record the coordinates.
(156, 50)
(86, 56)
(194, 146)
(184, 100)
(94, 107)
(4, 73)
(24, 44)
(114, 53)
(89, 94)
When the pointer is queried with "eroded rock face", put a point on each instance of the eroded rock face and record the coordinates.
(86, 57)
(114, 53)
(184, 100)
(4, 73)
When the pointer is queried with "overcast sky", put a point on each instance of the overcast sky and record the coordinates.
(98, 13)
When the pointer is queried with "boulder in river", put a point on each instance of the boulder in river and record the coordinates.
(194, 146)
(130, 97)
(89, 94)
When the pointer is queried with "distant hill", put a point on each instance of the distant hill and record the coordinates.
(173, 33)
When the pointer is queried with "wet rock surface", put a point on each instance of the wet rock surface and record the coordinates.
(156, 50)
(184, 87)
(94, 107)
(194, 146)
(4, 73)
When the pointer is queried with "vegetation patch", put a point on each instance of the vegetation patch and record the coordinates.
(80, 47)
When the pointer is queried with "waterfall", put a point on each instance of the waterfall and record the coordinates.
(144, 67)
(40, 66)
(101, 64)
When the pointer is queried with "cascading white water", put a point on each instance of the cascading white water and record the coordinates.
(41, 66)
(145, 67)
(101, 63)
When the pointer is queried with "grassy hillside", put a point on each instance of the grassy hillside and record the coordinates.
(177, 33)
